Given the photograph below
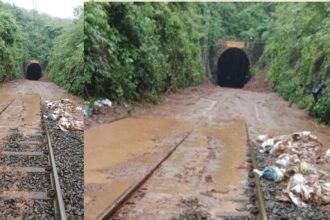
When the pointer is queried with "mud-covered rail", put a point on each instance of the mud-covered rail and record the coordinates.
(29, 181)
(55, 179)
(257, 198)
(258, 191)
(113, 208)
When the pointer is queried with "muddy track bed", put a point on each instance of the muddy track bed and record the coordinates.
(69, 154)
(188, 206)
(16, 143)
(26, 190)
(284, 210)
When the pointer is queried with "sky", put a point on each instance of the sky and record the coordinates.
(56, 8)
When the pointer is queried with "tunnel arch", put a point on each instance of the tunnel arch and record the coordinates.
(33, 71)
(233, 68)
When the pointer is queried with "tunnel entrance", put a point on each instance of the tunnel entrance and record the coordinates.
(33, 71)
(233, 68)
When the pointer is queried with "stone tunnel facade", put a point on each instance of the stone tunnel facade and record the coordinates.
(232, 61)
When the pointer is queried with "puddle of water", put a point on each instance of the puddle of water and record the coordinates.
(101, 199)
(32, 115)
(205, 166)
(5, 99)
(110, 145)
(233, 136)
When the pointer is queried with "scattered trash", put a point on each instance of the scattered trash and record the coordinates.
(101, 104)
(327, 154)
(295, 156)
(306, 168)
(88, 110)
(272, 173)
(285, 160)
(96, 107)
(64, 111)
(301, 190)
(51, 117)
(262, 138)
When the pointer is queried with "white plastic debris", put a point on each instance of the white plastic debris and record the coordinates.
(327, 154)
(285, 160)
(106, 102)
(294, 157)
(66, 113)
(267, 144)
(262, 138)
(98, 105)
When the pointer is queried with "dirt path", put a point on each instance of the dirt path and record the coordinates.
(208, 169)
(20, 103)
(46, 89)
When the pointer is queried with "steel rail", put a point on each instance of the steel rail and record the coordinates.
(4, 109)
(59, 196)
(259, 193)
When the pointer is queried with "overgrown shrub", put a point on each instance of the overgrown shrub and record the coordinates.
(9, 65)
(66, 62)
(298, 49)
(138, 51)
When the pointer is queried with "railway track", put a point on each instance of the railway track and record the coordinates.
(30, 187)
(255, 195)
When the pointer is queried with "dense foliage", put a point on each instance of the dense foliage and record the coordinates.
(142, 50)
(66, 63)
(36, 32)
(8, 47)
(28, 34)
(298, 50)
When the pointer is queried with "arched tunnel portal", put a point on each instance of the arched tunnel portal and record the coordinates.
(33, 71)
(233, 68)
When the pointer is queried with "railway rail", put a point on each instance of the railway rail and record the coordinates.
(30, 187)
(256, 197)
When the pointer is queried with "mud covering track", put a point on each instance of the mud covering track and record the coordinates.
(195, 180)
(21, 145)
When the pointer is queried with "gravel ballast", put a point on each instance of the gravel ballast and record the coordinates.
(68, 150)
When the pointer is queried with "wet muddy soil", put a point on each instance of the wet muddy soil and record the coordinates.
(20, 102)
(20, 119)
(46, 89)
(206, 167)
(119, 154)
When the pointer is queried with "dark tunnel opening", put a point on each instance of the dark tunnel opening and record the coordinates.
(233, 68)
(33, 71)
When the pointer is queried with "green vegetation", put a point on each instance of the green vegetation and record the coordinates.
(26, 35)
(8, 47)
(66, 62)
(35, 31)
(139, 51)
(298, 50)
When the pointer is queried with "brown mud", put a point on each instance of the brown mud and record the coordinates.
(20, 102)
(208, 167)
(20, 114)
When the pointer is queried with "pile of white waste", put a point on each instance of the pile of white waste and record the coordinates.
(64, 111)
(96, 106)
(293, 161)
